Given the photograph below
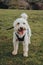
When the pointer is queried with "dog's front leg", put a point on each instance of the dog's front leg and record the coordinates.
(15, 45)
(25, 46)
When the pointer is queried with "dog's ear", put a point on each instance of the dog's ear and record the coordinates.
(24, 15)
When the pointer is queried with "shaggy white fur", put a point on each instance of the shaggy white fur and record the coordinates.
(22, 33)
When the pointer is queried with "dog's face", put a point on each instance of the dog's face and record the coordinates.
(20, 26)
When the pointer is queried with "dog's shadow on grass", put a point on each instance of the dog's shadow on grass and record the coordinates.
(9, 54)
(19, 55)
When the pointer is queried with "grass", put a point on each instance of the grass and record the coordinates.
(6, 46)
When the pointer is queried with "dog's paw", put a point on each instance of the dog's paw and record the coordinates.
(25, 54)
(14, 53)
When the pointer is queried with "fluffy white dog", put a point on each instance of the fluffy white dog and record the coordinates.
(22, 33)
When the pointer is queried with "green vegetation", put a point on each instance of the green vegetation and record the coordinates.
(6, 46)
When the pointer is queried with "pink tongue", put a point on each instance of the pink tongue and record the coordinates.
(21, 32)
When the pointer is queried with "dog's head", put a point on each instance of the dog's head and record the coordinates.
(20, 25)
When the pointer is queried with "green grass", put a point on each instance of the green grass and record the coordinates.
(6, 46)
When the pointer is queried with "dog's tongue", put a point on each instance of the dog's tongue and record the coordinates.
(21, 32)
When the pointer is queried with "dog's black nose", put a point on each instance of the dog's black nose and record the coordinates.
(21, 28)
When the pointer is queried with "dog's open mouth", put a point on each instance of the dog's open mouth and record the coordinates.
(21, 30)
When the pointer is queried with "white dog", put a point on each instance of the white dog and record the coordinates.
(22, 33)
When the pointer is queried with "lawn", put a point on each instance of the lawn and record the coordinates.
(35, 19)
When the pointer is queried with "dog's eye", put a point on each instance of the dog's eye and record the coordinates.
(23, 23)
(18, 23)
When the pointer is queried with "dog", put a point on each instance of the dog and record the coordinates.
(21, 34)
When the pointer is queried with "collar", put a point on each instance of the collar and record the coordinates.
(20, 39)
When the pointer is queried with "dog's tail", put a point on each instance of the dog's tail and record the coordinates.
(24, 15)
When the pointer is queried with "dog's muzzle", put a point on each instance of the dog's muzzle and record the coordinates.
(21, 30)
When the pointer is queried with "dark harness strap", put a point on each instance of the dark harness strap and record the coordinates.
(20, 39)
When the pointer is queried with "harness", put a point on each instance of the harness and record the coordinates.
(20, 39)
